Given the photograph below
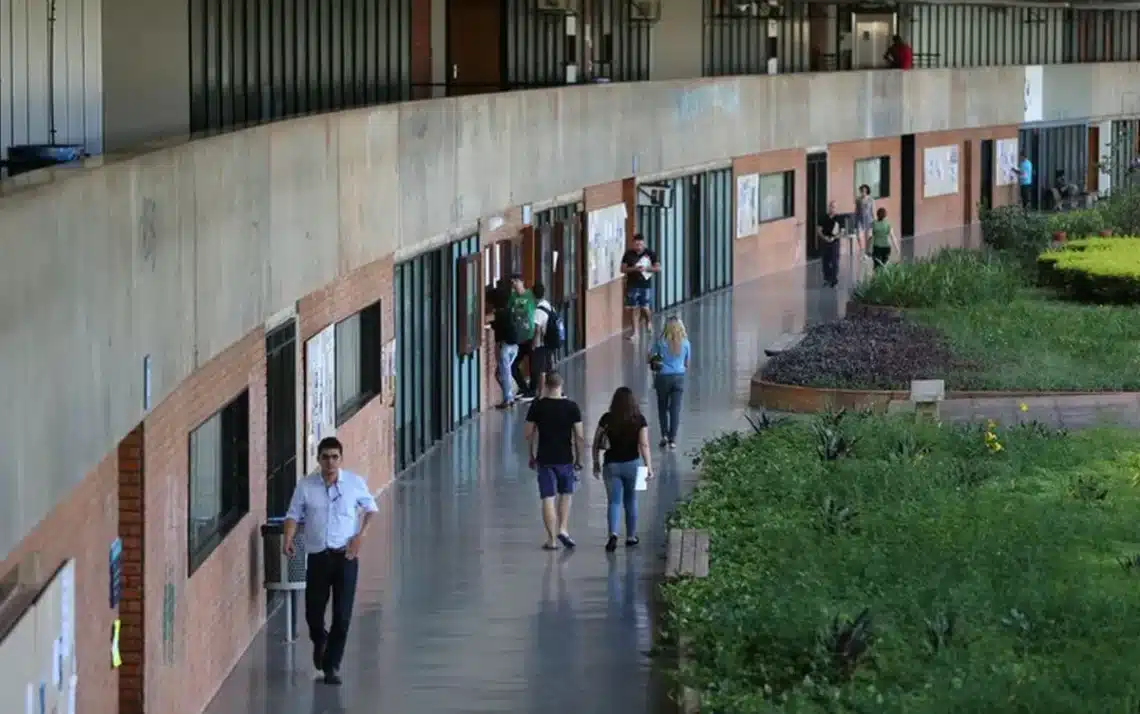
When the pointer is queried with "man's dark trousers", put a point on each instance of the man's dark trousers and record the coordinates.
(330, 571)
(525, 381)
(830, 261)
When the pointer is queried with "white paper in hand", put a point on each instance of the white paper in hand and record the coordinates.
(642, 482)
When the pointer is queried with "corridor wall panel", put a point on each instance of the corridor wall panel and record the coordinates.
(26, 87)
(259, 60)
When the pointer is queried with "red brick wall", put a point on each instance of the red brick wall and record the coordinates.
(604, 304)
(81, 527)
(132, 603)
(368, 437)
(940, 213)
(219, 609)
(778, 245)
(841, 160)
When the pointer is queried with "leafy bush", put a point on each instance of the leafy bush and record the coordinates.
(940, 578)
(1096, 270)
(1018, 233)
(865, 353)
(1121, 211)
(1079, 223)
(952, 276)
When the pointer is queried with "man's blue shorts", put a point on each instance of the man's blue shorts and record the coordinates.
(639, 297)
(556, 480)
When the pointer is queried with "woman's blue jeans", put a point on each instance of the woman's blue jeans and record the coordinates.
(669, 389)
(621, 493)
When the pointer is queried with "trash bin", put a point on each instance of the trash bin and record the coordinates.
(284, 573)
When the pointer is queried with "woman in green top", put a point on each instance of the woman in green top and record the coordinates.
(882, 238)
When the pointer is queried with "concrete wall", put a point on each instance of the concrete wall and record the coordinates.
(179, 253)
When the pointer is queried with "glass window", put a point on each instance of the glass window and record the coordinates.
(358, 361)
(875, 172)
(219, 478)
(776, 196)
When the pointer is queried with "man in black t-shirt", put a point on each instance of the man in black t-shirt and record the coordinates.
(827, 232)
(639, 264)
(555, 441)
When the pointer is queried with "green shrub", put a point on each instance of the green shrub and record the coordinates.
(1016, 232)
(927, 572)
(1121, 211)
(1095, 270)
(952, 276)
(1078, 223)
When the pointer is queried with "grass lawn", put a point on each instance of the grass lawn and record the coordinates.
(994, 580)
(989, 329)
(1039, 343)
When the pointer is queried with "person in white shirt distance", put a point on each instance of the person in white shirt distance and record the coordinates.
(336, 508)
(639, 265)
(542, 358)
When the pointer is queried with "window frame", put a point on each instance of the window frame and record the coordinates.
(233, 479)
(369, 361)
(884, 182)
(789, 196)
(469, 310)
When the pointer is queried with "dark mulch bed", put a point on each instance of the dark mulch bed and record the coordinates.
(880, 352)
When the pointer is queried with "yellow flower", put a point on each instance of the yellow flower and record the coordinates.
(1023, 407)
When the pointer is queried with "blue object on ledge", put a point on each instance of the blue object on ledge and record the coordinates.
(29, 157)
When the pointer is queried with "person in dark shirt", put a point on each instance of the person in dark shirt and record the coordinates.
(899, 55)
(623, 434)
(827, 232)
(638, 265)
(555, 441)
(506, 347)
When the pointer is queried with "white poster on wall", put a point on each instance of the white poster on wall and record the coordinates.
(940, 171)
(1006, 152)
(747, 205)
(1034, 94)
(320, 392)
(605, 245)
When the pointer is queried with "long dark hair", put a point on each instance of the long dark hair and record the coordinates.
(624, 412)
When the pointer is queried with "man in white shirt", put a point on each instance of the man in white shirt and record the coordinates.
(542, 358)
(330, 502)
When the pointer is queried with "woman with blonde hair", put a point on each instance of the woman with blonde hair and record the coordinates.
(669, 359)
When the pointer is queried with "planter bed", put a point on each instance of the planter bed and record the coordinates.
(871, 564)
(1032, 344)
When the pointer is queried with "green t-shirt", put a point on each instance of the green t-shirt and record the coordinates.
(521, 309)
(881, 234)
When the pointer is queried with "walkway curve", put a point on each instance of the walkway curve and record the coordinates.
(459, 610)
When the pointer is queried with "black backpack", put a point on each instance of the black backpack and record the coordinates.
(555, 333)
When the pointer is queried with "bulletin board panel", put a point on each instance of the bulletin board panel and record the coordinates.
(37, 655)
(940, 171)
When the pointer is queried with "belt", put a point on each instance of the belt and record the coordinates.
(332, 551)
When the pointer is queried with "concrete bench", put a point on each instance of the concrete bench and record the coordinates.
(783, 343)
(687, 555)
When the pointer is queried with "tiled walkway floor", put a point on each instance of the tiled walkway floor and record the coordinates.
(459, 610)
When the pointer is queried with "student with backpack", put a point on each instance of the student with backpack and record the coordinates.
(521, 309)
(549, 335)
(506, 346)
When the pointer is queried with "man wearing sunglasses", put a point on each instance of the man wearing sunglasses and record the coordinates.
(335, 506)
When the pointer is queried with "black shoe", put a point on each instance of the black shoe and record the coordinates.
(331, 677)
(611, 544)
(319, 657)
(566, 540)
(629, 542)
